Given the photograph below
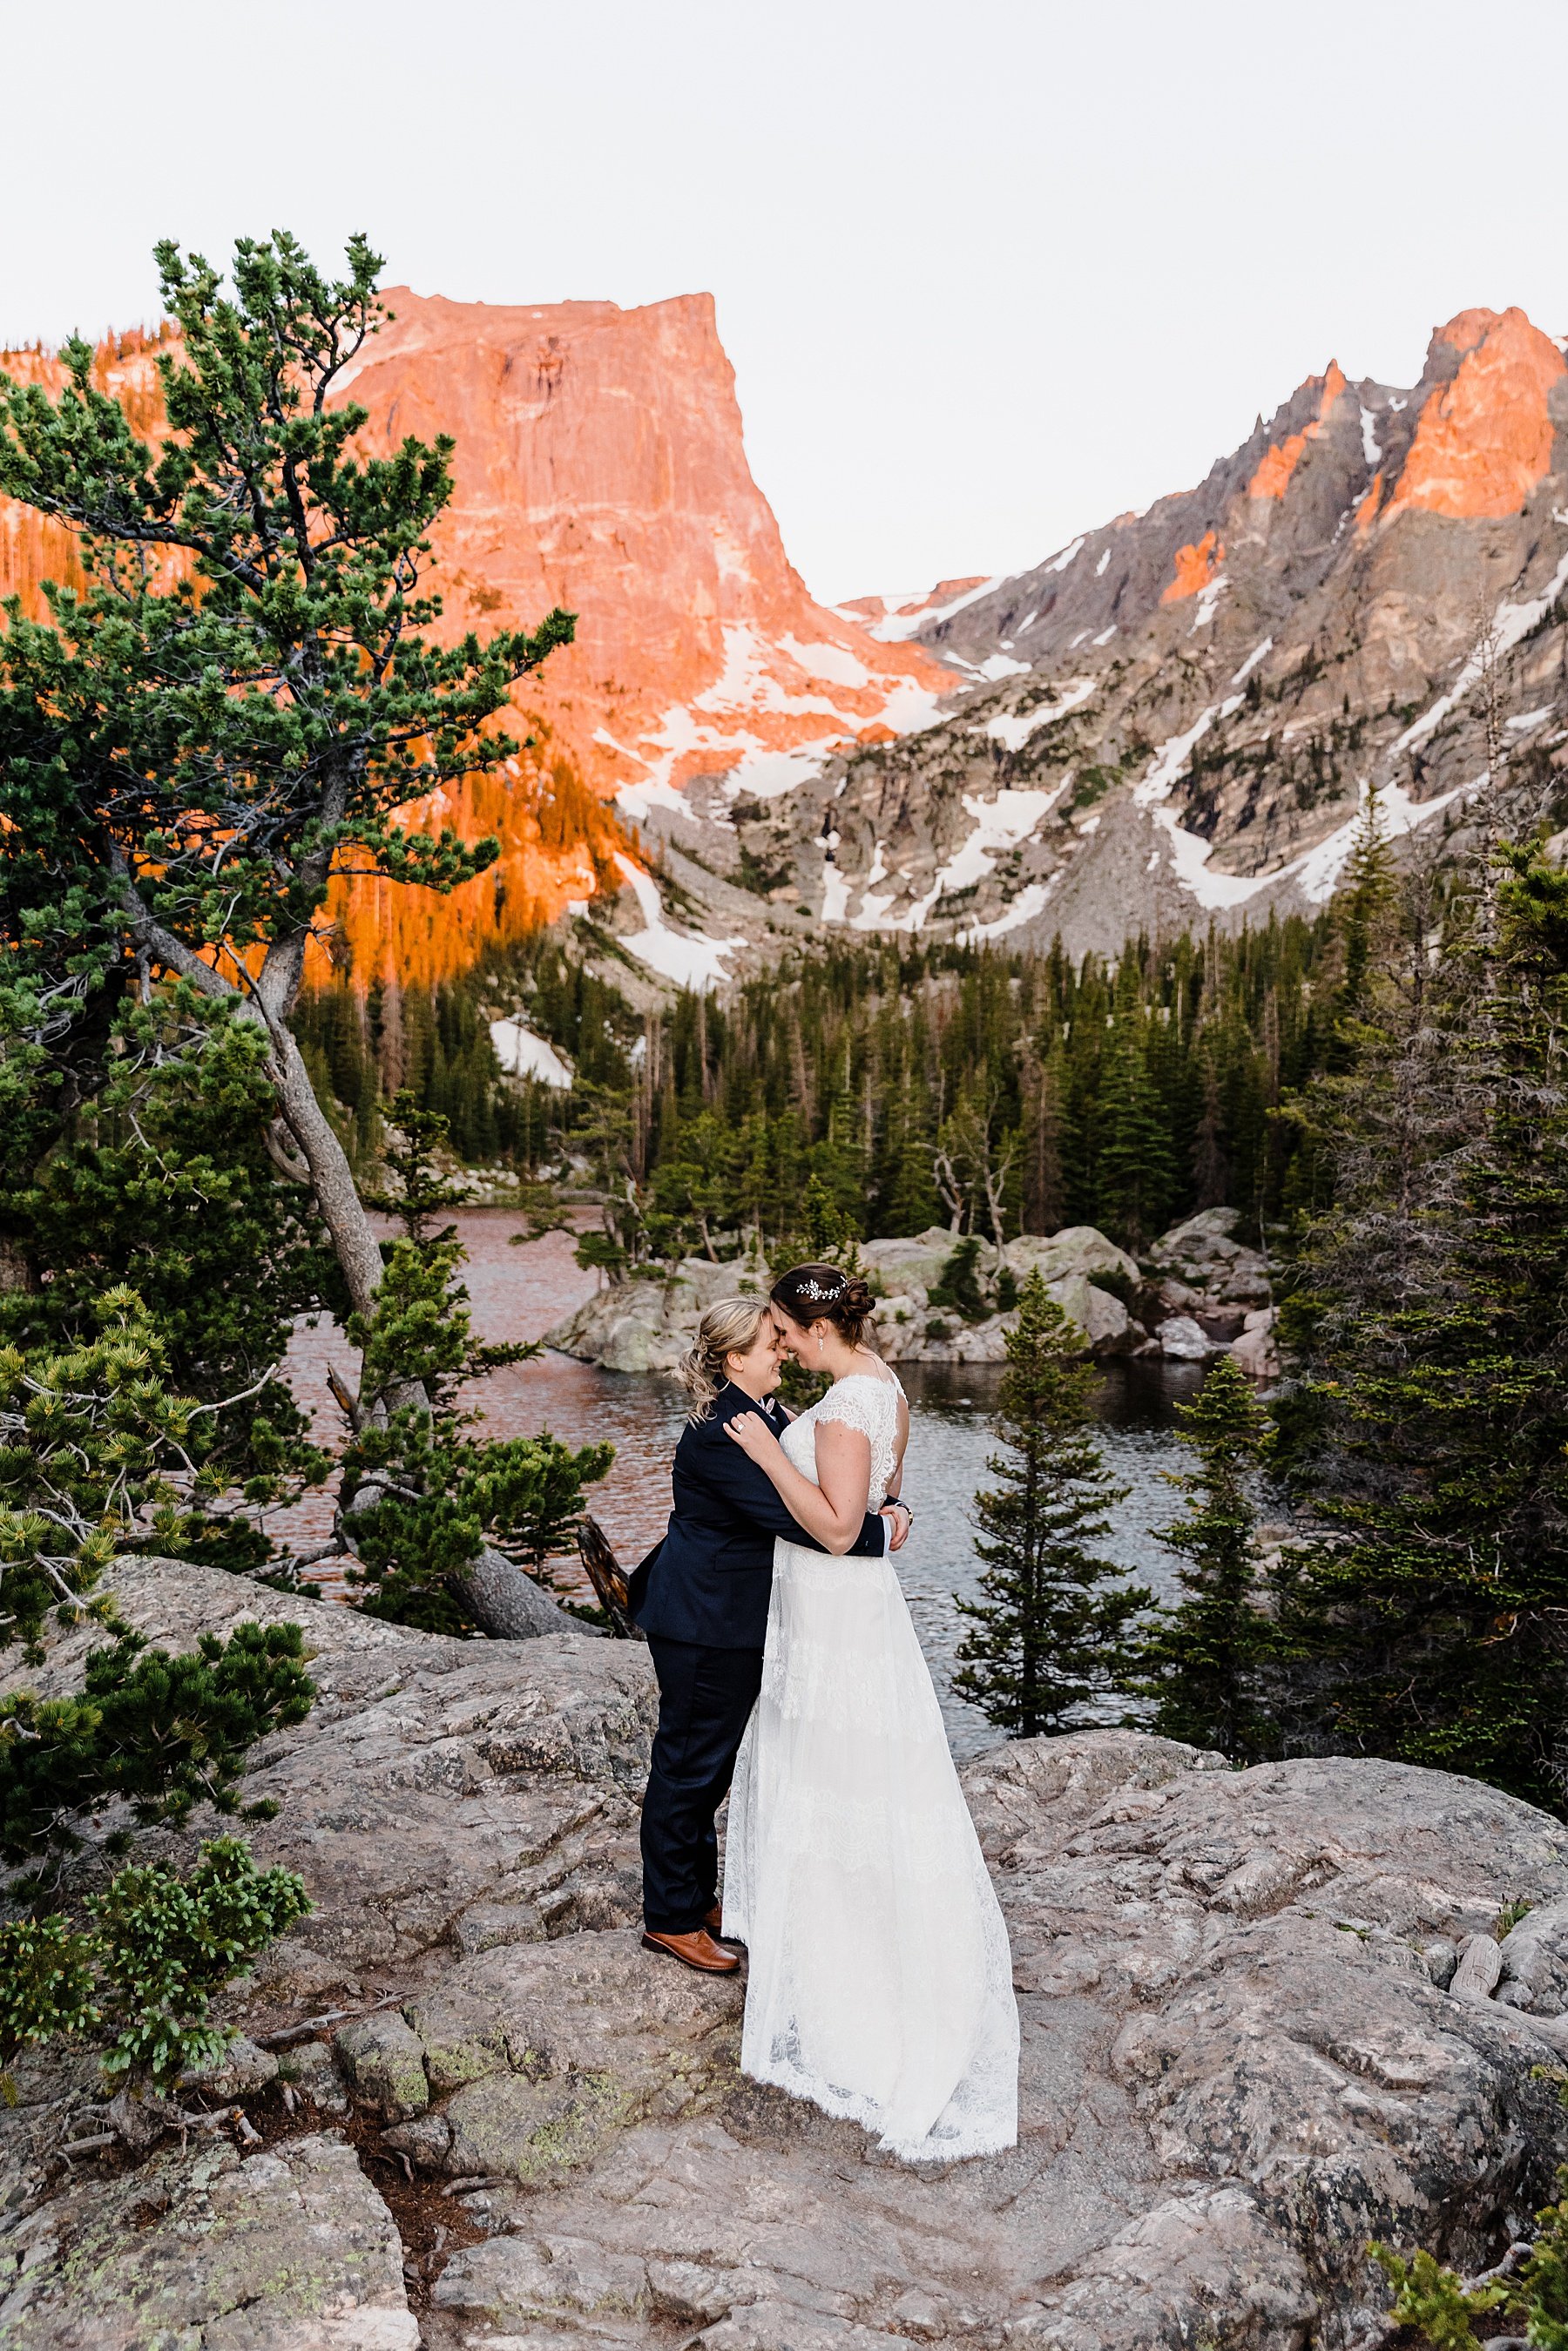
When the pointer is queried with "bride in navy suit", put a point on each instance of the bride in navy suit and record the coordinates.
(702, 1600)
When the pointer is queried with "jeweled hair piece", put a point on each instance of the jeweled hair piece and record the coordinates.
(812, 1294)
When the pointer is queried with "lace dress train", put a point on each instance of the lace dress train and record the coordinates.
(880, 1982)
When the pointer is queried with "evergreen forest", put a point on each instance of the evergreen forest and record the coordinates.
(919, 1086)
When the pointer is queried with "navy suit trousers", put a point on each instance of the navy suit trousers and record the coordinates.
(705, 1697)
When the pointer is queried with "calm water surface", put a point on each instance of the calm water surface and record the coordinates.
(520, 1293)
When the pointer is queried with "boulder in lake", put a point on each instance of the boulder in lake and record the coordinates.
(631, 1326)
(1255, 1350)
(1182, 1340)
(1212, 1268)
(1107, 1327)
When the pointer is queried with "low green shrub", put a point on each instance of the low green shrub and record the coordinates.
(46, 1987)
(165, 1944)
(159, 1732)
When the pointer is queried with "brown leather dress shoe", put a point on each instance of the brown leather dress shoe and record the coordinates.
(714, 1922)
(696, 1949)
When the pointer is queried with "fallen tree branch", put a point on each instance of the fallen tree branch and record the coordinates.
(287, 2033)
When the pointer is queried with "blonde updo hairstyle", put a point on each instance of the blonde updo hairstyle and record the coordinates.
(824, 1293)
(730, 1328)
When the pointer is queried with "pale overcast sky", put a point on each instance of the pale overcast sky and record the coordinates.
(989, 272)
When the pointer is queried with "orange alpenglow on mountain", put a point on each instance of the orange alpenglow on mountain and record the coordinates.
(1484, 440)
(1366, 512)
(872, 609)
(1273, 476)
(599, 465)
(1194, 568)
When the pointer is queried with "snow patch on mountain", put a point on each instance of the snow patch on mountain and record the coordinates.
(688, 958)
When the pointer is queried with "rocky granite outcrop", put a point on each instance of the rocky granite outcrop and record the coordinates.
(1200, 1293)
(646, 1325)
(288, 2249)
(1247, 2045)
(435, 1785)
(1174, 719)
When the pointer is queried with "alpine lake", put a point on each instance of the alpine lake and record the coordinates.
(519, 1292)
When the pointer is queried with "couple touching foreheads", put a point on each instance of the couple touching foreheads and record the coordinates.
(879, 1977)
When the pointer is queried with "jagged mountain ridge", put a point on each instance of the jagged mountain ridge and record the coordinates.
(601, 465)
(1171, 720)
(1175, 717)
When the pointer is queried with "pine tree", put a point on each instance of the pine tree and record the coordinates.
(907, 1198)
(158, 1182)
(1202, 1662)
(421, 1501)
(1433, 1416)
(248, 686)
(1210, 1174)
(98, 1455)
(1044, 1183)
(1136, 1173)
(1046, 1634)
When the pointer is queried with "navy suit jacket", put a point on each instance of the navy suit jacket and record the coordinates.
(708, 1582)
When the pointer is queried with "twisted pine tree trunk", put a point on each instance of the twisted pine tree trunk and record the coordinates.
(504, 1603)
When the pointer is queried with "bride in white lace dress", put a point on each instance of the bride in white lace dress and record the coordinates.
(880, 1982)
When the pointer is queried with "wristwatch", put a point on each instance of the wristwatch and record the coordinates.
(898, 1503)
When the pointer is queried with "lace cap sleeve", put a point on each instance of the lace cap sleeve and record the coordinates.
(859, 1403)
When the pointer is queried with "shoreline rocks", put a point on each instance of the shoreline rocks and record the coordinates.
(1200, 1293)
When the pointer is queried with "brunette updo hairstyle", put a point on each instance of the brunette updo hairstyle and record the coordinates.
(822, 1293)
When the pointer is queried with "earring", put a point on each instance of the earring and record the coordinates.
(821, 1346)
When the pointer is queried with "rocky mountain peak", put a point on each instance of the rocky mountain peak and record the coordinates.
(1175, 717)
(1179, 715)
(600, 465)
(1280, 461)
(1484, 438)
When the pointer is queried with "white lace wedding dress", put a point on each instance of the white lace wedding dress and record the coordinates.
(881, 1979)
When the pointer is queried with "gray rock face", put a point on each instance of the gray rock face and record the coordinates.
(291, 2250)
(646, 1326)
(1240, 2059)
(386, 2063)
(631, 1326)
(1077, 1249)
(1105, 1323)
(1191, 698)
(431, 1776)
(1534, 1957)
(1214, 1268)
(913, 1264)
(1235, 2067)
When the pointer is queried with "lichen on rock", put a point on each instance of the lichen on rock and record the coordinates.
(1246, 2048)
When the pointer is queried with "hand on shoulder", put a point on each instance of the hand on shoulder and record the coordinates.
(753, 1434)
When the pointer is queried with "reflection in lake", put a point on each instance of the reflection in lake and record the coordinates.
(520, 1293)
